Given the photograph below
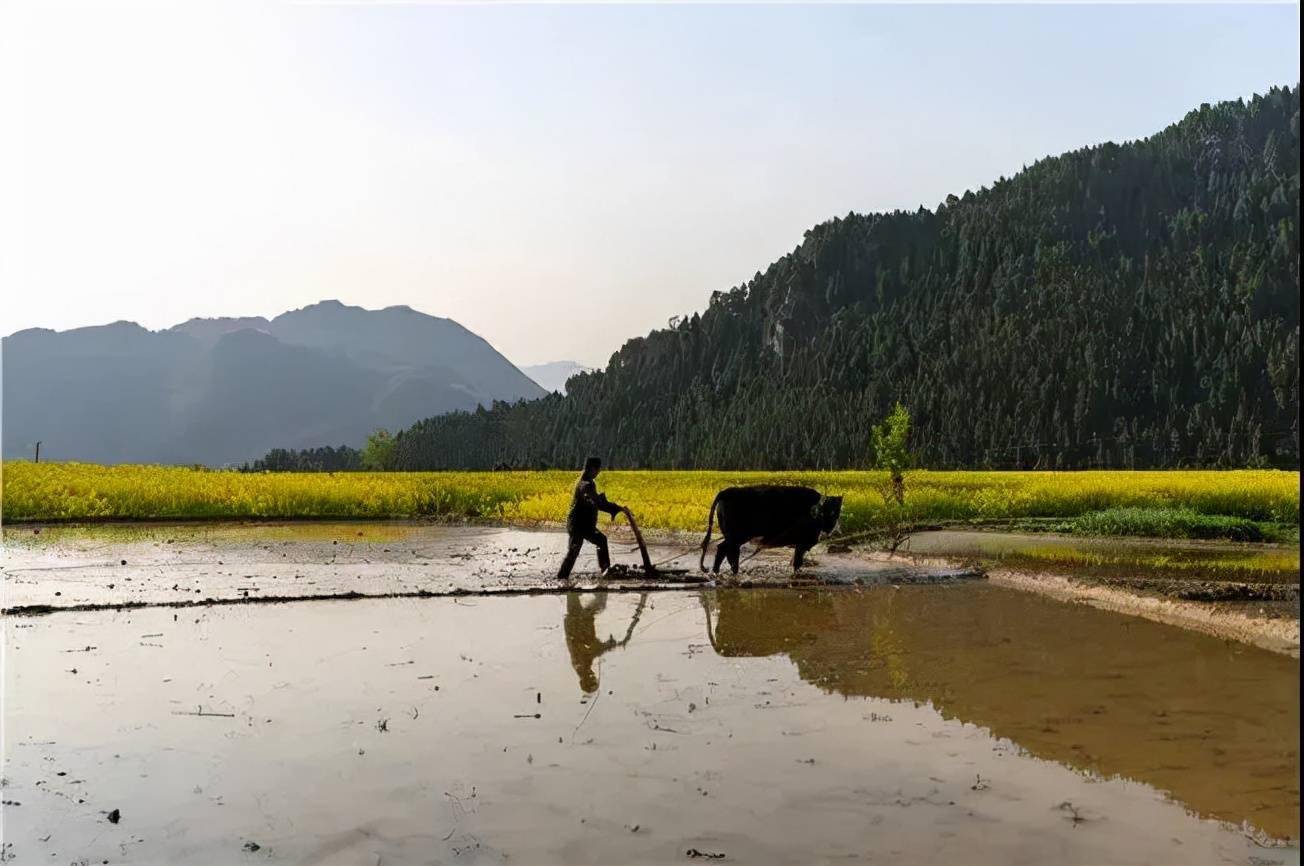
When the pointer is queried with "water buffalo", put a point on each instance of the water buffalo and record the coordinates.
(774, 515)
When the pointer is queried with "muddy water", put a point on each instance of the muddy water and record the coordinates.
(1118, 557)
(1215, 724)
(959, 724)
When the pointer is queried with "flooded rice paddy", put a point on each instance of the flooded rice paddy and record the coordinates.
(887, 722)
(1120, 557)
(935, 724)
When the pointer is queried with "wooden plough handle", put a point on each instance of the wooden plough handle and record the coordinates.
(642, 547)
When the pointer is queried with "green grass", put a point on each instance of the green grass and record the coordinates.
(1166, 523)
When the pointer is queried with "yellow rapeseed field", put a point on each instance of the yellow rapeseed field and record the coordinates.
(660, 499)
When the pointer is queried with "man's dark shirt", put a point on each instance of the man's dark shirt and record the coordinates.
(586, 502)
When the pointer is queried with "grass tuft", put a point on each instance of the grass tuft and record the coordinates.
(1166, 523)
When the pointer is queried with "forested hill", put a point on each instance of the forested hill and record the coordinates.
(1119, 305)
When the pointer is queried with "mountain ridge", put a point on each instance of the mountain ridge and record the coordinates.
(553, 375)
(228, 389)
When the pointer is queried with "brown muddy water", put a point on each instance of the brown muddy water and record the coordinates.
(961, 723)
(1165, 559)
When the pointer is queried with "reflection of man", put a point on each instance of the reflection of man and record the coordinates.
(582, 520)
(581, 628)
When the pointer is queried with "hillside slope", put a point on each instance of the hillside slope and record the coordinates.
(1119, 305)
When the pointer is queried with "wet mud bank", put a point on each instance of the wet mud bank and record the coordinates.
(1242, 592)
(1256, 626)
(963, 723)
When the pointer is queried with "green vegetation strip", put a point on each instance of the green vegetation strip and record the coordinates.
(1167, 523)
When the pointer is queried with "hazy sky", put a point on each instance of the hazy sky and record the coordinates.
(557, 179)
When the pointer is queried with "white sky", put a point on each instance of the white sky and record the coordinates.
(556, 179)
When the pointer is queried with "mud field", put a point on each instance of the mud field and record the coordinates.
(122, 565)
(905, 715)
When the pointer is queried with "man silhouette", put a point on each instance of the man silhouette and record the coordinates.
(582, 520)
(581, 629)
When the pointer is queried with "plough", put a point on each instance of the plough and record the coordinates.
(652, 569)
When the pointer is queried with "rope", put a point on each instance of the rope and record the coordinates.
(837, 539)
(695, 548)
(687, 552)
(759, 548)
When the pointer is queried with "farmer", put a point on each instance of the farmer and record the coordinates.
(582, 521)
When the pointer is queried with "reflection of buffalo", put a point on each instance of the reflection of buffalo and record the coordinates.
(1084, 687)
(774, 515)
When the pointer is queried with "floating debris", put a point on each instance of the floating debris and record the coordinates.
(693, 853)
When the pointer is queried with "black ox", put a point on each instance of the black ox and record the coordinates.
(774, 516)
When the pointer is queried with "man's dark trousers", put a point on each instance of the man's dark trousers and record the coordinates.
(594, 537)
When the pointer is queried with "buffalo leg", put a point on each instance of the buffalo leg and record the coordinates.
(734, 549)
(719, 555)
(798, 557)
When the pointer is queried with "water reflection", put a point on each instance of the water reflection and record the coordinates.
(449, 730)
(1215, 724)
(580, 626)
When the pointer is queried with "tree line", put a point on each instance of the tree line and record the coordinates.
(376, 455)
(324, 459)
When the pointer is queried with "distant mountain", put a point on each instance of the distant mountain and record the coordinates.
(219, 391)
(553, 375)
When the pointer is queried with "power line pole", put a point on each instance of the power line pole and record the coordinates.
(38, 450)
